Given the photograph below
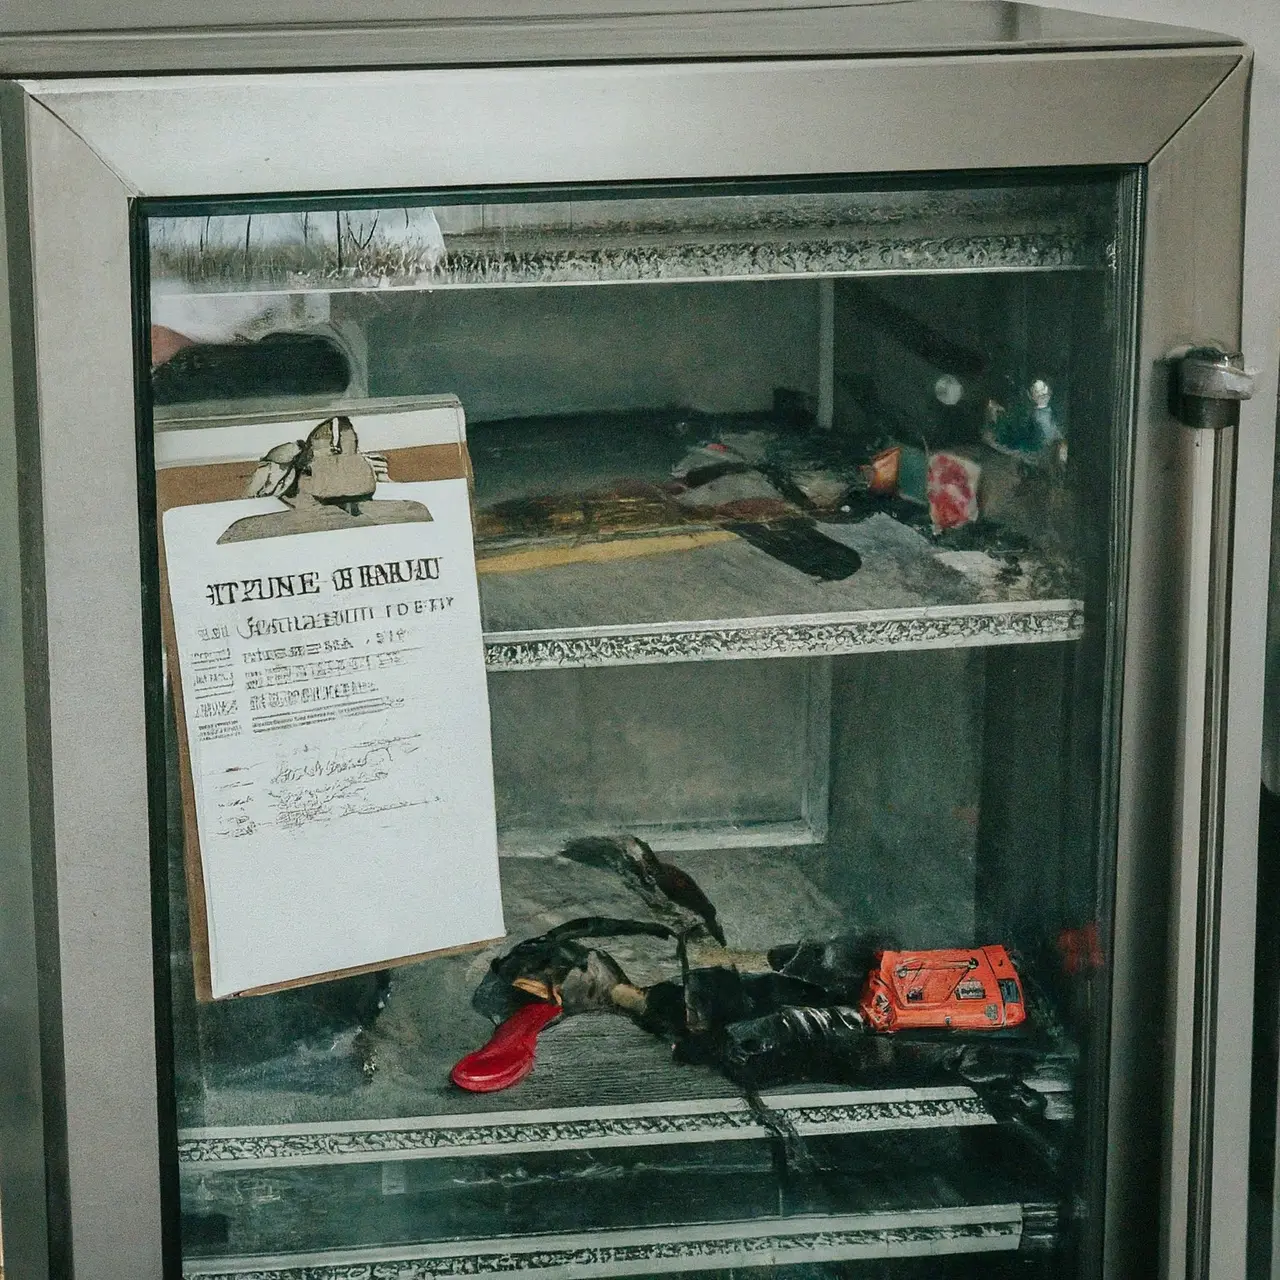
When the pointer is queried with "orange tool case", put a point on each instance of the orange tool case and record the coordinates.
(973, 989)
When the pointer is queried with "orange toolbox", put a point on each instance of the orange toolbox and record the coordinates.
(973, 989)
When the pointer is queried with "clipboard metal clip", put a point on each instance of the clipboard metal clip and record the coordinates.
(327, 466)
(326, 483)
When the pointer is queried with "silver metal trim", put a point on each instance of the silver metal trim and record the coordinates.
(30, 1146)
(951, 25)
(761, 1242)
(96, 767)
(1238, 682)
(1193, 217)
(238, 35)
(866, 631)
(365, 130)
(844, 1111)
(1209, 987)
(1216, 376)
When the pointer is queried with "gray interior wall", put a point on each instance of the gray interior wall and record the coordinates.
(525, 352)
(972, 312)
(1015, 327)
(716, 744)
(916, 787)
(1028, 885)
(906, 784)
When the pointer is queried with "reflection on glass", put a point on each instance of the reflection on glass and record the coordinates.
(794, 523)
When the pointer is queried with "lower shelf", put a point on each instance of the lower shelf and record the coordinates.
(598, 1080)
(610, 1158)
(987, 1228)
(817, 1196)
(829, 1112)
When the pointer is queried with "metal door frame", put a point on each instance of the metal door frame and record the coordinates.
(81, 1133)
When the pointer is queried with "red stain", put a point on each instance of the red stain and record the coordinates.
(1081, 949)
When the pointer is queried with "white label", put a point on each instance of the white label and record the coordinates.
(338, 722)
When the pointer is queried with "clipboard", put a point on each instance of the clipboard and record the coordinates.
(213, 459)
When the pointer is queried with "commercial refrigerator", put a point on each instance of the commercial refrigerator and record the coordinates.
(849, 397)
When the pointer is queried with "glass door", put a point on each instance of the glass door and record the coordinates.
(798, 515)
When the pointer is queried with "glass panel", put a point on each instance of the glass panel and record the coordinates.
(796, 514)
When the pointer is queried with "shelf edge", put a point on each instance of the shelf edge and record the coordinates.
(799, 635)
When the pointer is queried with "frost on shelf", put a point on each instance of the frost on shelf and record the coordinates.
(611, 241)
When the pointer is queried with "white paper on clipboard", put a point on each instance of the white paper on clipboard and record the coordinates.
(338, 725)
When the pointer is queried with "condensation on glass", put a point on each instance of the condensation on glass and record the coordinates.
(796, 516)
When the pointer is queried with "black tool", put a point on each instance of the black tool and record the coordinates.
(660, 883)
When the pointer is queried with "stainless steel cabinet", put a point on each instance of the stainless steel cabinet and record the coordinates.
(910, 279)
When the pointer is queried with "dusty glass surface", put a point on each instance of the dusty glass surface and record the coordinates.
(796, 513)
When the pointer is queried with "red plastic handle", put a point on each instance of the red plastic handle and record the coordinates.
(508, 1056)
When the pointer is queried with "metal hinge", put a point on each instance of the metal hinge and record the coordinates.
(1206, 386)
